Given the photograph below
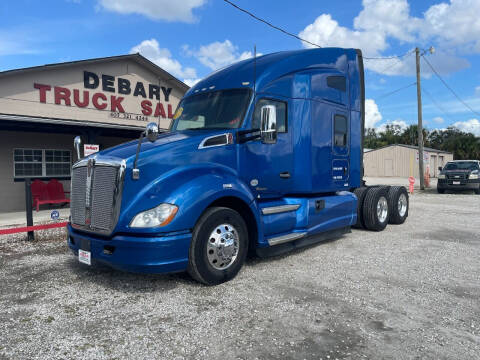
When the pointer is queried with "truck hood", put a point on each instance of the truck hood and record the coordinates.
(128, 149)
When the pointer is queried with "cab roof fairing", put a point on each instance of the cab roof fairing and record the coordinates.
(271, 67)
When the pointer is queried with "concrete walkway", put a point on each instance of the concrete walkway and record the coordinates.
(398, 181)
(19, 218)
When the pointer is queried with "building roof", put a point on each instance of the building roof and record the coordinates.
(141, 60)
(414, 147)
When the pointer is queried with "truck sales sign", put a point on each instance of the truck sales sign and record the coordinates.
(106, 92)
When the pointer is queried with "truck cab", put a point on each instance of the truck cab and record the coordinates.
(262, 156)
(459, 175)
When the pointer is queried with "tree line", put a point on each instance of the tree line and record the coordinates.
(462, 144)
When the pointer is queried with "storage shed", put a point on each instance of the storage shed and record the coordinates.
(401, 160)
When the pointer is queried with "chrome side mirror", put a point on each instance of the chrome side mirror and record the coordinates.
(77, 144)
(151, 131)
(268, 125)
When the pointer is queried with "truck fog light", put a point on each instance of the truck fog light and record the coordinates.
(162, 215)
(441, 176)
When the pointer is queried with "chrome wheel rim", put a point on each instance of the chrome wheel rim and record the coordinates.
(222, 246)
(382, 209)
(402, 205)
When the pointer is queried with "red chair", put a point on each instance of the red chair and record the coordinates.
(39, 192)
(51, 193)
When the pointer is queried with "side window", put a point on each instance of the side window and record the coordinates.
(337, 82)
(281, 114)
(340, 131)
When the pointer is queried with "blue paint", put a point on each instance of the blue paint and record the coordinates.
(174, 170)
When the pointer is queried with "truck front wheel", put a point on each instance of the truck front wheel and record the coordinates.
(219, 246)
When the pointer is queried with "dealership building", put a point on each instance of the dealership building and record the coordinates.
(106, 101)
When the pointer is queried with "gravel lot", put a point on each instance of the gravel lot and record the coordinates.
(411, 291)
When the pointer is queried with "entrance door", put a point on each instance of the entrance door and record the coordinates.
(388, 167)
(268, 168)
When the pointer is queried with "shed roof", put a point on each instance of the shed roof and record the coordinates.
(414, 147)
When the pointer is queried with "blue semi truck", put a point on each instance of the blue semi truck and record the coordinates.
(262, 157)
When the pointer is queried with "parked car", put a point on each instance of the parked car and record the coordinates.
(459, 175)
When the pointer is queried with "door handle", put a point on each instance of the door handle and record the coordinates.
(285, 175)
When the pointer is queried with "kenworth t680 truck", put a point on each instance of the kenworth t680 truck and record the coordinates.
(263, 156)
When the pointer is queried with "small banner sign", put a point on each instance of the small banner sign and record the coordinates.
(89, 149)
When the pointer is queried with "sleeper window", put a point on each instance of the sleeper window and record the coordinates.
(341, 131)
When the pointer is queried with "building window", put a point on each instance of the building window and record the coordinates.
(41, 163)
(341, 131)
(57, 162)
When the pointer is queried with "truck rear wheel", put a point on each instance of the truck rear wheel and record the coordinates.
(360, 194)
(375, 208)
(219, 246)
(398, 204)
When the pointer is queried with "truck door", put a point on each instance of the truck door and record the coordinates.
(341, 148)
(268, 167)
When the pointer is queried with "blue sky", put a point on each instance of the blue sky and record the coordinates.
(191, 38)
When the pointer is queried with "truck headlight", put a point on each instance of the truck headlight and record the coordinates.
(441, 176)
(473, 176)
(161, 215)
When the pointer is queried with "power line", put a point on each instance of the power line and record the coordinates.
(398, 62)
(449, 88)
(395, 91)
(390, 57)
(270, 24)
(298, 37)
(445, 112)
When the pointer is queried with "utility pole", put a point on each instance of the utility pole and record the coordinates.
(420, 125)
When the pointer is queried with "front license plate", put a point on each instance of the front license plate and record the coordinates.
(456, 183)
(84, 257)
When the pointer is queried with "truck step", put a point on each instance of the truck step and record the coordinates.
(286, 238)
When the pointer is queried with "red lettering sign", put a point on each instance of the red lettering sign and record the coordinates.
(62, 93)
(159, 110)
(42, 91)
(146, 107)
(76, 98)
(116, 103)
(95, 102)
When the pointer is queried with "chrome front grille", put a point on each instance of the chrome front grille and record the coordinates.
(96, 194)
(78, 195)
(103, 191)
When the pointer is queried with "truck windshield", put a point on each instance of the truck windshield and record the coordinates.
(463, 165)
(223, 109)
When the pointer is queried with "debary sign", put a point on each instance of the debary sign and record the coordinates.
(96, 91)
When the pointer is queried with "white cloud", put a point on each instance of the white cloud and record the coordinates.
(372, 114)
(438, 120)
(454, 26)
(155, 9)
(191, 82)
(472, 126)
(400, 123)
(218, 54)
(163, 58)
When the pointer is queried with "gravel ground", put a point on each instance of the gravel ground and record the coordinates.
(411, 291)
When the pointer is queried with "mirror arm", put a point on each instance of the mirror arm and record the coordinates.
(135, 171)
(241, 138)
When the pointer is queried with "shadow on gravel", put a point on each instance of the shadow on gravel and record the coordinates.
(253, 260)
(105, 276)
(446, 235)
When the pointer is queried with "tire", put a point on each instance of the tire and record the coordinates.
(398, 204)
(371, 217)
(360, 194)
(440, 191)
(208, 255)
